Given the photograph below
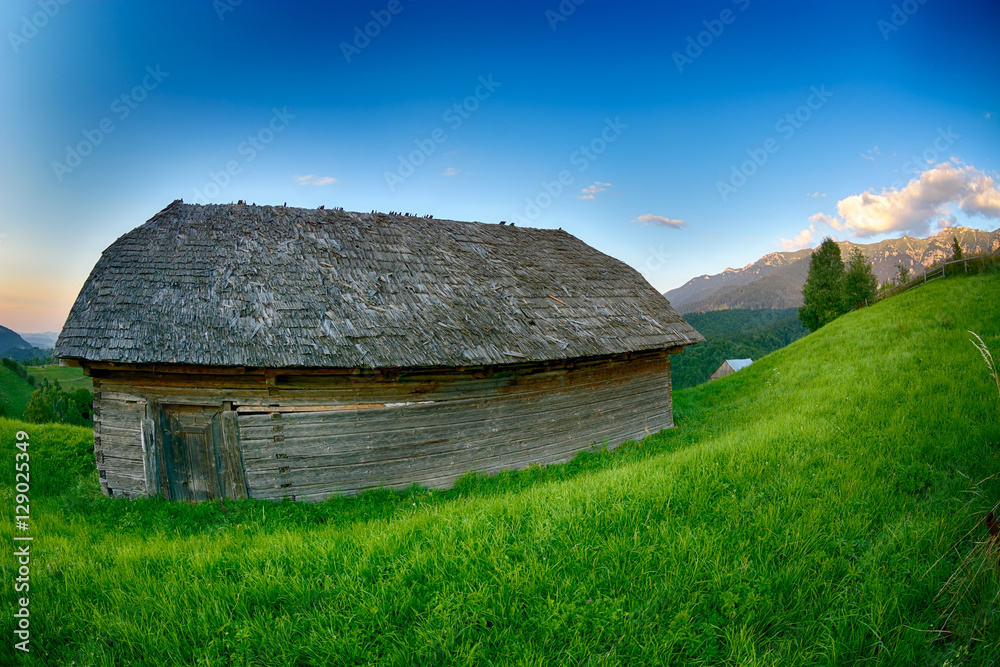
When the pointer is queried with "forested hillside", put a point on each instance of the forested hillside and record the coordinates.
(733, 334)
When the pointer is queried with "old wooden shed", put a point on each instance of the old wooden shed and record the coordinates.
(730, 366)
(274, 352)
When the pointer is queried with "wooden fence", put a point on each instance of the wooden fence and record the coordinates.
(938, 271)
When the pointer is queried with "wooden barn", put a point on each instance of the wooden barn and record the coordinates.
(275, 352)
(730, 366)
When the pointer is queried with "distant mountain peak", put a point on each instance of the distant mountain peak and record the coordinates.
(9, 340)
(776, 279)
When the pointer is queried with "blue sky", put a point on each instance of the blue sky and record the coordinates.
(681, 138)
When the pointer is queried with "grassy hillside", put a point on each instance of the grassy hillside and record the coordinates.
(69, 378)
(733, 334)
(14, 393)
(805, 511)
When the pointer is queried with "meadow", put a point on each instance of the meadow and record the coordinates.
(822, 507)
(15, 392)
(69, 378)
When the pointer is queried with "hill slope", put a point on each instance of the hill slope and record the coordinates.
(9, 340)
(69, 378)
(805, 511)
(15, 392)
(776, 279)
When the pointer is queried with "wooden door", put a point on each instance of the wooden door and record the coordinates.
(198, 453)
(189, 452)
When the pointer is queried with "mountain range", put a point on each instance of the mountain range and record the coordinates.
(42, 339)
(776, 279)
(10, 340)
(16, 347)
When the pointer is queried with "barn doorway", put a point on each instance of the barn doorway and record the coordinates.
(199, 453)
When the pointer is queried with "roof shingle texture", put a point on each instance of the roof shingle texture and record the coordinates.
(277, 287)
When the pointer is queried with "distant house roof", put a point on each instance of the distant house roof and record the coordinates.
(273, 287)
(739, 364)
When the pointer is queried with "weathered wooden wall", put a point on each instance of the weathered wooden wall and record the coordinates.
(722, 371)
(308, 434)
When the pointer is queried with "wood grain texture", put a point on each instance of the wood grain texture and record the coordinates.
(311, 433)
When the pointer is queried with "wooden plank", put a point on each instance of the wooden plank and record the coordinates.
(437, 419)
(415, 382)
(131, 449)
(652, 381)
(257, 409)
(202, 370)
(472, 446)
(174, 461)
(232, 477)
(130, 468)
(547, 445)
(431, 476)
(440, 437)
(150, 459)
(107, 430)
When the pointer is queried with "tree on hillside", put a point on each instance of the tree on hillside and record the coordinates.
(902, 274)
(823, 294)
(860, 283)
(956, 249)
(49, 403)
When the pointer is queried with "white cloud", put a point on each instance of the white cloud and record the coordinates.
(947, 221)
(871, 153)
(315, 180)
(661, 221)
(804, 239)
(922, 201)
(590, 192)
(814, 195)
(451, 171)
(824, 219)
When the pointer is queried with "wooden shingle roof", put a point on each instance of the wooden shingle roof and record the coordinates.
(276, 287)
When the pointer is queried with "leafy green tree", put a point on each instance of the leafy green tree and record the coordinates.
(860, 283)
(823, 294)
(41, 408)
(902, 274)
(956, 249)
(49, 403)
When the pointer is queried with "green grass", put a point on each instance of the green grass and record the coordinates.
(69, 378)
(806, 511)
(15, 392)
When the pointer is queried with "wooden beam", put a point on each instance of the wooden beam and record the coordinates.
(150, 458)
